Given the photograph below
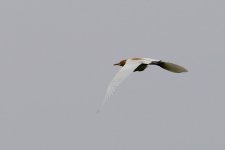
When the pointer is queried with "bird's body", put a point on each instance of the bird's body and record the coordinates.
(134, 65)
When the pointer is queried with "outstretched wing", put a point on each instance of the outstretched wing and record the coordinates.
(124, 72)
(172, 67)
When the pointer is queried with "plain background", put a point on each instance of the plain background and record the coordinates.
(56, 61)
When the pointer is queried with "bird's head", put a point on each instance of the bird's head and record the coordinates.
(121, 63)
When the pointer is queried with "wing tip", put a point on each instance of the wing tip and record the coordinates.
(102, 104)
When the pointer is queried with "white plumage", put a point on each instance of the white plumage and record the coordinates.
(132, 65)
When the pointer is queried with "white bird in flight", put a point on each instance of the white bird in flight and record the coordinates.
(133, 65)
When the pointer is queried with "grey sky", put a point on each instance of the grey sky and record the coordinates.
(56, 61)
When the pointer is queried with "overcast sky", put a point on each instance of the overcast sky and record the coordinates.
(56, 61)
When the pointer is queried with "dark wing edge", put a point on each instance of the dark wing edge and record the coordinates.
(141, 67)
